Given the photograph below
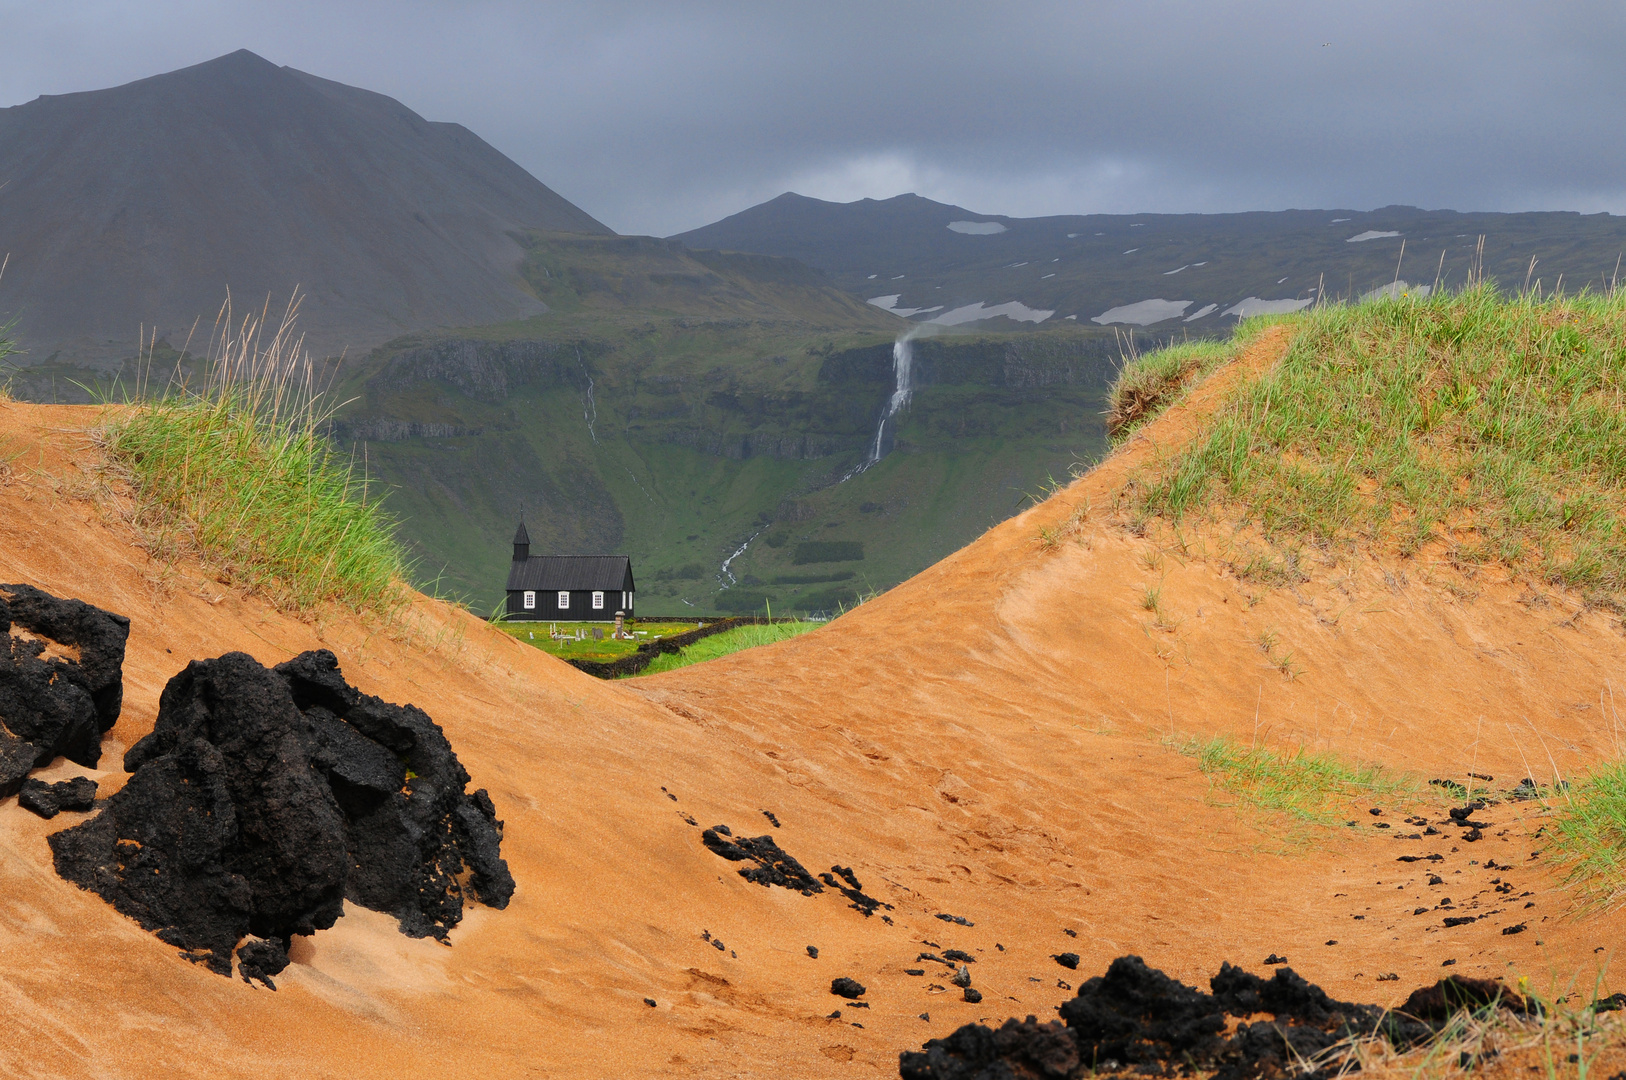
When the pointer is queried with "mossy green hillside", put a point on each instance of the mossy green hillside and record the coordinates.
(680, 438)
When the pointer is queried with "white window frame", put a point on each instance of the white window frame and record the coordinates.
(530, 600)
(598, 601)
(564, 600)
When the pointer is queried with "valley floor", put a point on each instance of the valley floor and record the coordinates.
(1015, 773)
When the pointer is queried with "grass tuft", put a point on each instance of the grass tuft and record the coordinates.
(1146, 385)
(1314, 789)
(1588, 836)
(1491, 426)
(239, 473)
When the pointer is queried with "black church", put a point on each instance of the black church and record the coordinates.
(567, 588)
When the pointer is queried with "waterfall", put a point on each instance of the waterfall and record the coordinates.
(903, 377)
(741, 551)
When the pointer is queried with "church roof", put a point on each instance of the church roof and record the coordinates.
(606, 573)
(522, 537)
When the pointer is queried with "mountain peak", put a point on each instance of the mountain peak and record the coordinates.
(142, 204)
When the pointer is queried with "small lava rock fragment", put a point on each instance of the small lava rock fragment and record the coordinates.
(914, 971)
(771, 819)
(260, 959)
(813, 951)
(1274, 959)
(1390, 977)
(47, 800)
(1375, 812)
(1455, 993)
(847, 988)
(973, 995)
(961, 977)
(853, 891)
(1334, 941)
(834, 1016)
(1068, 960)
(773, 865)
(957, 957)
(650, 1002)
(717, 943)
(54, 706)
(1420, 911)
(958, 920)
(1471, 835)
(1069, 932)
(1516, 928)
(1447, 963)
(926, 1017)
(1460, 920)
(1435, 879)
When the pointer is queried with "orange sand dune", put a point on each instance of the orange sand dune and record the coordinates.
(1006, 768)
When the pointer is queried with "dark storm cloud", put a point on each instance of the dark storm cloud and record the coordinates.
(656, 117)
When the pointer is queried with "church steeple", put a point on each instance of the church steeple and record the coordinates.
(522, 543)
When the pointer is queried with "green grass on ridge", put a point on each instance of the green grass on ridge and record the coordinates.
(729, 641)
(1495, 426)
(241, 474)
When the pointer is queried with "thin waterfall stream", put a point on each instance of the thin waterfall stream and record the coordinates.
(903, 374)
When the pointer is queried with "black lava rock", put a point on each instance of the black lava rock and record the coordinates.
(813, 951)
(1068, 960)
(265, 798)
(1135, 1017)
(48, 800)
(974, 1051)
(774, 866)
(56, 706)
(853, 890)
(847, 988)
(260, 960)
(973, 995)
(1456, 993)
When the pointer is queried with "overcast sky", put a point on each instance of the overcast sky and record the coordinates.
(661, 116)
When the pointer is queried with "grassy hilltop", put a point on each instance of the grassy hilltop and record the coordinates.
(1489, 430)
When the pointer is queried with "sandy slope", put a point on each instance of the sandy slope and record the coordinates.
(982, 741)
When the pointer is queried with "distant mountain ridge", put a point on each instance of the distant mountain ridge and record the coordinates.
(144, 203)
(934, 262)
